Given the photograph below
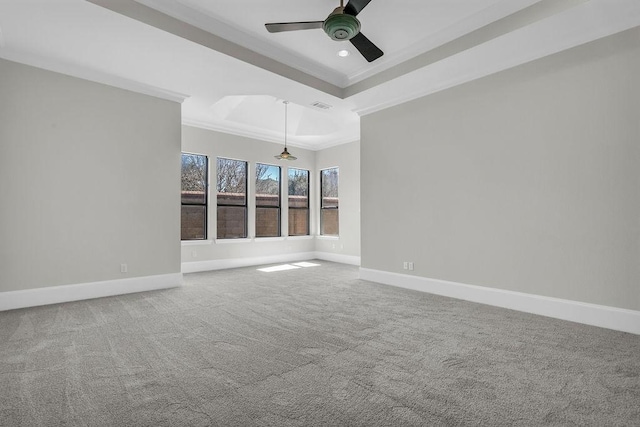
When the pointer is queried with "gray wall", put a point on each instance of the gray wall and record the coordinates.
(217, 144)
(89, 179)
(526, 180)
(347, 158)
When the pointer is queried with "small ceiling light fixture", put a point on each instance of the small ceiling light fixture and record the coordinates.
(343, 53)
(285, 154)
(341, 26)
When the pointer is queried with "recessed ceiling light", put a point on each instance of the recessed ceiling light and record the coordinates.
(344, 52)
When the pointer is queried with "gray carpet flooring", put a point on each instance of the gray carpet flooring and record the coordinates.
(308, 347)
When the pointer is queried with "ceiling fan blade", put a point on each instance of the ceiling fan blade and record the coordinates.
(354, 7)
(370, 51)
(293, 26)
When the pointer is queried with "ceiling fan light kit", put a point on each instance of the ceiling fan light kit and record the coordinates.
(340, 25)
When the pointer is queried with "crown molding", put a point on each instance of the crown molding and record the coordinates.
(582, 24)
(92, 75)
(261, 135)
(465, 26)
(155, 18)
(335, 143)
(238, 131)
(193, 15)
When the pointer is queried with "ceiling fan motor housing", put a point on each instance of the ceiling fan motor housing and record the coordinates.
(341, 26)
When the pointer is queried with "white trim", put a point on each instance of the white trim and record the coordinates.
(341, 258)
(341, 141)
(305, 237)
(57, 294)
(468, 24)
(242, 240)
(315, 143)
(238, 130)
(573, 27)
(200, 17)
(269, 239)
(590, 314)
(91, 75)
(327, 237)
(221, 264)
(196, 242)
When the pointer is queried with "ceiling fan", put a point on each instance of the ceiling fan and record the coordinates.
(340, 25)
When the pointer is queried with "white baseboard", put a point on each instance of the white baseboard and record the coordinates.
(342, 259)
(590, 314)
(221, 264)
(65, 293)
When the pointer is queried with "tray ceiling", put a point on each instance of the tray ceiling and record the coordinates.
(232, 75)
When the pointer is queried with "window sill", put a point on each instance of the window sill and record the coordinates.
(225, 241)
(254, 239)
(195, 242)
(320, 237)
(269, 239)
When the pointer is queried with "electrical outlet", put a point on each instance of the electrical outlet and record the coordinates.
(411, 266)
(405, 265)
(194, 254)
(123, 268)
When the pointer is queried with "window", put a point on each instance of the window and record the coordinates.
(267, 200)
(298, 202)
(232, 199)
(329, 219)
(193, 217)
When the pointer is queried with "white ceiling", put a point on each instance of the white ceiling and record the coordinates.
(232, 75)
(395, 27)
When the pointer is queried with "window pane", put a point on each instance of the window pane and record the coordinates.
(232, 182)
(193, 222)
(194, 179)
(267, 185)
(329, 222)
(298, 222)
(232, 222)
(267, 222)
(329, 216)
(298, 188)
(298, 202)
(194, 196)
(329, 183)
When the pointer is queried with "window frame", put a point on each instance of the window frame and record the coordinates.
(246, 199)
(205, 204)
(307, 208)
(326, 208)
(278, 207)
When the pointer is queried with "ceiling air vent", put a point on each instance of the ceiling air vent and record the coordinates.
(320, 105)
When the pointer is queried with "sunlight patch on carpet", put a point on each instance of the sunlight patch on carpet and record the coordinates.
(285, 267)
(306, 264)
(282, 267)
